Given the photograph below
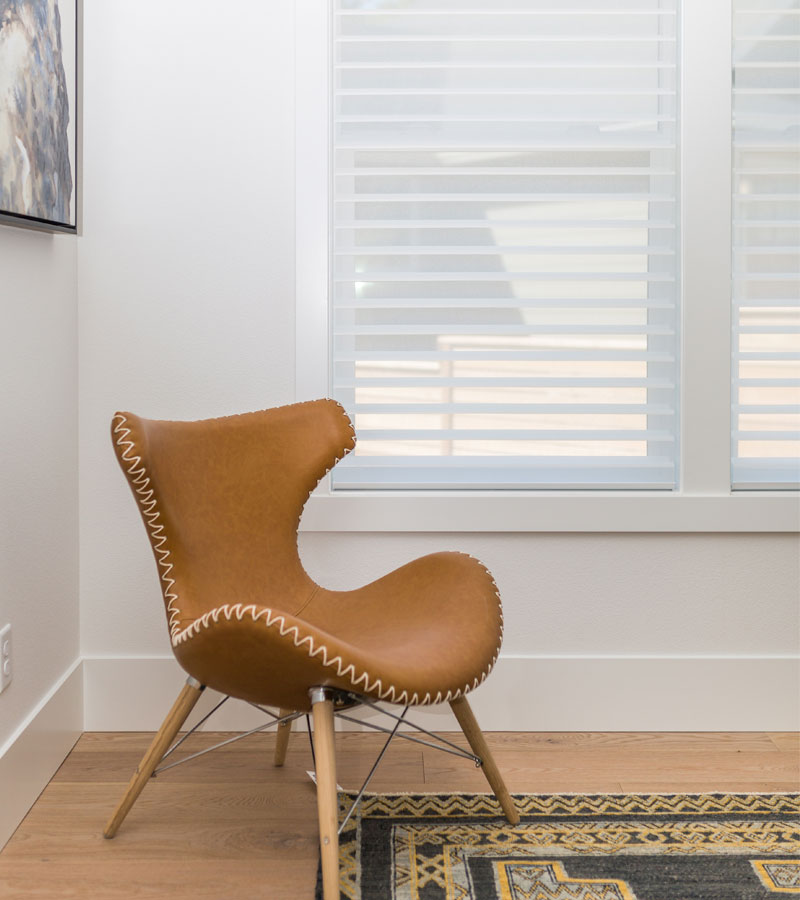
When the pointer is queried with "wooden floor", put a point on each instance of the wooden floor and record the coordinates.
(230, 825)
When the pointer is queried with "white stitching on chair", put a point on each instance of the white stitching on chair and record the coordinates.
(499, 605)
(147, 502)
(351, 426)
(146, 499)
(337, 458)
(362, 682)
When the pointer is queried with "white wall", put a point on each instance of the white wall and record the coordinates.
(38, 465)
(186, 261)
(186, 289)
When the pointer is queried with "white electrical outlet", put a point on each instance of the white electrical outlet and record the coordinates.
(6, 662)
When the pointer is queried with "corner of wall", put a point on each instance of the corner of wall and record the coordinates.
(31, 756)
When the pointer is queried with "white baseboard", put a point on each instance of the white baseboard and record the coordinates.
(30, 757)
(521, 694)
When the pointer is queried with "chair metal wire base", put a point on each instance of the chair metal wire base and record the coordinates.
(275, 720)
(342, 702)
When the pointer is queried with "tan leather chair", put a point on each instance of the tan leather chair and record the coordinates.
(221, 500)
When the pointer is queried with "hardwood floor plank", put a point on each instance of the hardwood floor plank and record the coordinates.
(682, 741)
(260, 879)
(787, 740)
(709, 785)
(520, 767)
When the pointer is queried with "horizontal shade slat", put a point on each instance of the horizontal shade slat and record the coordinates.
(773, 146)
(766, 355)
(761, 198)
(506, 303)
(756, 277)
(411, 171)
(495, 12)
(349, 224)
(499, 92)
(744, 250)
(504, 355)
(600, 141)
(516, 197)
(768, 92)
(763, 408)
(743, 66)
(757, 302)
(445, 329)
(506, 277)
(522, 65)
(502, 39)
(474, 250)
(501, 382)
(767, 38)
(766, 223)
(508, 171)
(508, 434)
(744, 435)
(767, 329)
(518, 461)
(494, 120)
(768, 382)
(514, 408)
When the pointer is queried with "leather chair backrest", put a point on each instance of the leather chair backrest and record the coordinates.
(221, 500)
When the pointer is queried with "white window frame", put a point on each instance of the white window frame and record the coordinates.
(703, 501)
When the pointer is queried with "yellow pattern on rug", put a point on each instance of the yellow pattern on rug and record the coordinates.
(780, 876)
(548, 880)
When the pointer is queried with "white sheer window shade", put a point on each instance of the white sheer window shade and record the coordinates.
(504, 243)
(766, 254)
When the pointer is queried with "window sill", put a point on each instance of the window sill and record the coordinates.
(556, 511)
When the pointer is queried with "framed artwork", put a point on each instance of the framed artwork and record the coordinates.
(38, 113)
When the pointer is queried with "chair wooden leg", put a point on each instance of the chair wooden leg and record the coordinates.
(187, 698)
(469, 725)
(322, 707)
(282, 738)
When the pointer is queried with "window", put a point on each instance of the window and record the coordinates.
(504, 290)
(766, 231)
(526, 237)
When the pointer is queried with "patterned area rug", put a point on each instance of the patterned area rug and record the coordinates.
(572, 847)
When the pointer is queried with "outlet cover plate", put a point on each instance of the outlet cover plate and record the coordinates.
(6, 661)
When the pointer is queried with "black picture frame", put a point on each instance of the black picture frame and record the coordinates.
(39, 114)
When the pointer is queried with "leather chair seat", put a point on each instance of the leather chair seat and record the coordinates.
(427, 632)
